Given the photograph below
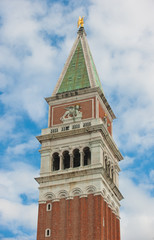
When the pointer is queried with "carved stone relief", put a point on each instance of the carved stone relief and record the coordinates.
(72, 114)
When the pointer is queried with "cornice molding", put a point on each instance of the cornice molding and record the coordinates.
(79, 92)
(42, 180)
(108, 199)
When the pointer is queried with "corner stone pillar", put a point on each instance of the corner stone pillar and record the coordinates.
(96, 153)
(45, 161)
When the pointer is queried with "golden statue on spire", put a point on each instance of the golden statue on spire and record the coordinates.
(80, 22)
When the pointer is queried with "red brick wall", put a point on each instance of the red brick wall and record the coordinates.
(83, 219)
(117, 229)
(44, 220)
(57, 111)
(109, 224)
(78, 219)
(101, 115)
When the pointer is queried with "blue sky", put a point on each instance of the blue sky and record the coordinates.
(35, 39)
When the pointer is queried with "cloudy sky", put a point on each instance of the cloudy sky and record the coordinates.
(35, 39)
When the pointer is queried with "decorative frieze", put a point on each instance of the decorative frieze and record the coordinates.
(82, 193)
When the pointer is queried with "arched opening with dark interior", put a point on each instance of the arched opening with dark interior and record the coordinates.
(47, 232)
(76, 158)
(49, 207)
(66, 159)
(87, 156)
(105, 159)
(112, 172)
(56, 161)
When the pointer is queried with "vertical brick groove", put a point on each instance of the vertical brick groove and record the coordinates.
(90, 219)
(69, 209)
(97, 219)
(83, 219)
(102, 219)
(109, 223)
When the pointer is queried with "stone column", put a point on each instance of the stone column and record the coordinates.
(114, 176)
(110, 170)
(52, 163)
(45, 161)
(89, 158)
(61, 162)
(81, 158)
(71, 160)
(104, 159)
(108, 167)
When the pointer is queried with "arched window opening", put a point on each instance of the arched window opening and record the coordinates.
(66, 159)
(112, 173)
(47, 232)
(76, 158)
(49, 207)
(105, 163)
(56, 160)
(87, 156)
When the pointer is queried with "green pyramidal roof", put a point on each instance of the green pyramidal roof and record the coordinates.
(76, 76)
(98, 83)
(79, 71)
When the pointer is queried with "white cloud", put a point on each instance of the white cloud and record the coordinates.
(7, 124)
(22, 236)
(15, 215)
(16, 183)
(126, 162)
(125, 36)
(121, 40)
(126, 53)
(29, 57)
(27, 30)
(32, 144)
(18, 180)
(137, 218)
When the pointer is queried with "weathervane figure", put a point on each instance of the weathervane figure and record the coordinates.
(80, 22)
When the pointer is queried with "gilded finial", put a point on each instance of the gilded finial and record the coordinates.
(80, 22)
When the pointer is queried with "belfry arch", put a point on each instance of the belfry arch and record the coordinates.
(66, 159)
(76, 158)
(55, 161)
(87, 156)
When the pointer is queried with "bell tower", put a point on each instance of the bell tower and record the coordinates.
(79, 195)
